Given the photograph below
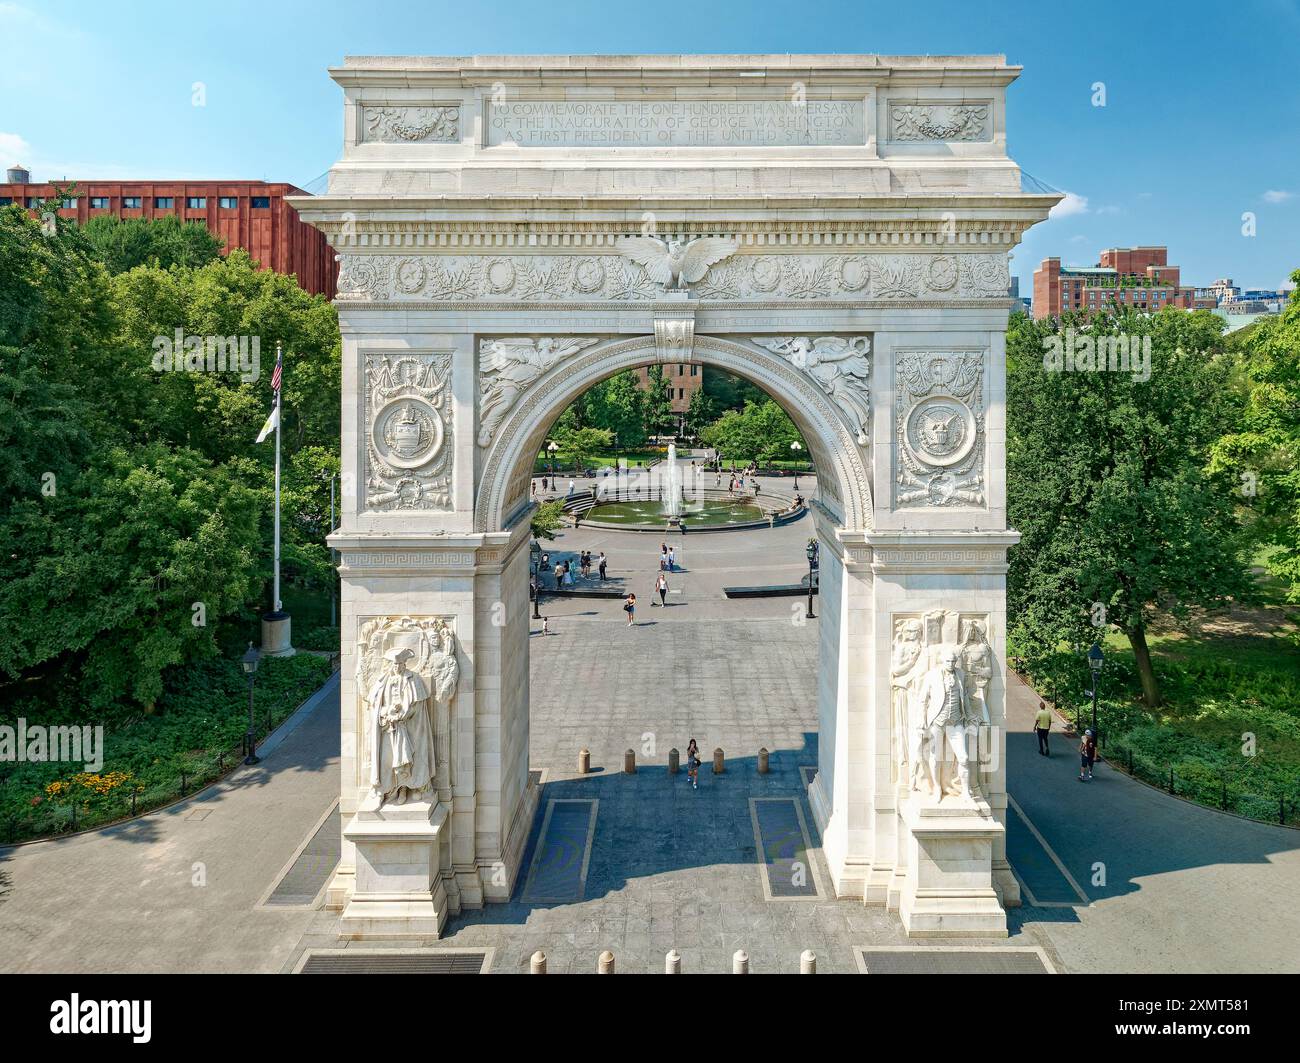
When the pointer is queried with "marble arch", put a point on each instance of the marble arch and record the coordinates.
(837, 228)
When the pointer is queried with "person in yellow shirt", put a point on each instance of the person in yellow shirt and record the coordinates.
(1042, 724)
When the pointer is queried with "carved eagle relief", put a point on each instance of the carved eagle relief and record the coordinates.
(675, 264)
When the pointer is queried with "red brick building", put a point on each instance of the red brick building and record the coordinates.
(248, 214)
(1138, 277)
(684, 379)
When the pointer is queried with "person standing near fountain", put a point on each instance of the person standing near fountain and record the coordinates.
(661, 585)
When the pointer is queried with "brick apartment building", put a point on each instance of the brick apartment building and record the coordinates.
(248, 214)
(1138, 277)
(684, 379)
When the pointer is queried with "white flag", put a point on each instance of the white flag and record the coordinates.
(272, 423)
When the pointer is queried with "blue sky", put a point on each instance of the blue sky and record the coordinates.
(1200, 123)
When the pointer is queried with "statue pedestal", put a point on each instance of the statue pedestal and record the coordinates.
(948, 888)
(398, 892)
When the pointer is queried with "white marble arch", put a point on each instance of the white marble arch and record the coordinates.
(492, 197)
(523, 432)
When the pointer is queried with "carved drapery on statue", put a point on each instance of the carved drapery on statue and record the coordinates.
(940, 670)
(841, 365)
(407, 671)
(508, 366)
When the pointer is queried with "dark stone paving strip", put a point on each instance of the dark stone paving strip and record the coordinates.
(559, 869)
(309, 872)
(786, 858)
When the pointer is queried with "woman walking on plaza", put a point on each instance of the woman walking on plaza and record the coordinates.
(661, 585)
(693, 764)
(629, 607)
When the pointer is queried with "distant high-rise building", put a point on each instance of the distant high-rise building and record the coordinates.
(248, 214)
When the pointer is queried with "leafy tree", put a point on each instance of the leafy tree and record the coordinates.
(1263, 455)
(580, 445)
(760, 431)
(699, 412)
(124, 243)
(548, 518)
(658, 402)
(1107, 483)
(618, 404)
(728, 391)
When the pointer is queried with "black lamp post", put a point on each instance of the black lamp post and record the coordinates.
(249, 663)
(811, 551)
(1095, 660)
(796, 447)
(535, 560)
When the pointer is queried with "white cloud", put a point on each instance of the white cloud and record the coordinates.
(1110, 208)
(1080, 239)
(1277, 195)
(1072, 204)
(14, 149)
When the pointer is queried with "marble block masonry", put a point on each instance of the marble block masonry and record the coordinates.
(512, 229)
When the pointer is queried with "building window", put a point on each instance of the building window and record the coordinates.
(99, 202)
(196, 202)
(259, 202)
(131, 202)
(6, 200)
(164, 202)
(70, 203)
(228, 202)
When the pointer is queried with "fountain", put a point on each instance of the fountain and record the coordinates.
(671, 495)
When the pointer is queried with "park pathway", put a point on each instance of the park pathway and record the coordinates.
(1171, 886)
(178, 890)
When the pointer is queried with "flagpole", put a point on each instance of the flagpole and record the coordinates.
(275, 605)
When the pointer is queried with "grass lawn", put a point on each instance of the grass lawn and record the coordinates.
(1230, 726)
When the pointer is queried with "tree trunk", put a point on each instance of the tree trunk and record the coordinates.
(1137, 637)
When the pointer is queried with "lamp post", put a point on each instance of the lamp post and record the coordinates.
(552, 448)
(535, 560)
(249, 663)
(1095, 661)
(796, 446)
(811, 551)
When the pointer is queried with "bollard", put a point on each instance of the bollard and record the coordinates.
(673, 962)
(740, 962)
(808, 962)
(584, 761)
(718, 765)
(605, 965)
(762, 761)
(674, 762)
(629, 762)
(537, 965)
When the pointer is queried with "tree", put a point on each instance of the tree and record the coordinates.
(124, 243)
(619, 406)
(1263, 455)
(699, 412)
(1107, 481)
(548, 518)
(758, 432)
(728, 391)
(658, 402)
(580, 445)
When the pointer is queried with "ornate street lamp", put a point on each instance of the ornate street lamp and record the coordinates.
(249, 663)
(535, 560)
(552, 448)
(811, 551)
(796, 446)
(1095, 661)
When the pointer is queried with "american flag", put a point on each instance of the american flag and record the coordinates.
(278, 375)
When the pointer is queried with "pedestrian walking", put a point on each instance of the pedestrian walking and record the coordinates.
(1087, 755)
(693, 764)
(629, 607)
(602, 566)
(661, 586)
(672, 559)
(546, 625)
(663, 556)
(568, 574)
(559, 575)
(543, 485)
(572, 485)
(534, 488)
(1042, 724)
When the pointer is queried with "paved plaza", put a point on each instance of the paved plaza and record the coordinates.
(667, 866)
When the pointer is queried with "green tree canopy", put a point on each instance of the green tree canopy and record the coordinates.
(124, 243)
(1107, 482)
(760, 431)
